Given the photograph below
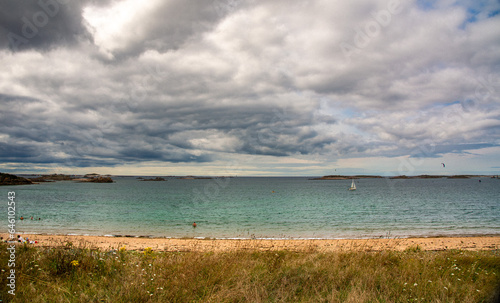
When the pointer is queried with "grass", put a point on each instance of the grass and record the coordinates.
(79, 274)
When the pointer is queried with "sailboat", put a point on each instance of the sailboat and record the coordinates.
(353, 186)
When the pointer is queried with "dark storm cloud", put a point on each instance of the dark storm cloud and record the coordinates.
(43, 24)
(108, 83)
(17, 152)
(37, 135)
(166, 134)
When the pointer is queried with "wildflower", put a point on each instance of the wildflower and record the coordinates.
(122, 249)
(446, 288)
(415, 284)
(75, 263)
(148, 251)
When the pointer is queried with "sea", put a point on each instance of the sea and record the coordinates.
(259, 208)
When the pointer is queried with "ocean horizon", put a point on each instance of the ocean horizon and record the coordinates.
(260, 208)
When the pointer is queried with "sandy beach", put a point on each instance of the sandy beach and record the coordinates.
(220, 245)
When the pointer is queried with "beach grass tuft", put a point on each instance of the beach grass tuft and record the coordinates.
(80, 274)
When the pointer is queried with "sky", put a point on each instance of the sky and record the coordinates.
(250, 88)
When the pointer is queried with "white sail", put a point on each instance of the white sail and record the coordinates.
(353, 185)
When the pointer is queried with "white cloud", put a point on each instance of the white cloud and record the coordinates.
(182, 81)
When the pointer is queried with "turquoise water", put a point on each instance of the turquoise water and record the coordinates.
(248, 208)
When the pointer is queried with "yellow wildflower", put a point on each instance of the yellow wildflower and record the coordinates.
(148, 251)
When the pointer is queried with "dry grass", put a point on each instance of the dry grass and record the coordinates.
(86, 275)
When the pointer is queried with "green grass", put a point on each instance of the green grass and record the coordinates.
(73, 274)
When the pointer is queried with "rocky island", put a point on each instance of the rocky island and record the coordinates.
(440, 176)
(155, 179)
(8, 179)
(95, 178)
(100, 179)
(53, 177)
(418, 177)
(340, 177)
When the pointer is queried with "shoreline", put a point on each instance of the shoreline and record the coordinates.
(480, 242)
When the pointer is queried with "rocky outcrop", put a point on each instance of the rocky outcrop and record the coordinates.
(93, 175)
(8, 179)
(100, 180)
(155, 179)
(460, 177)
(53, 177)
(340, 177)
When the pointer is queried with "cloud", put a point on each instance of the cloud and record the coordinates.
(41, 25)
(130, 28)
(114, 82)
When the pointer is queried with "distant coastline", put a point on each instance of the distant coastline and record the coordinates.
(343, 177)
(24, 179)
(10, 179)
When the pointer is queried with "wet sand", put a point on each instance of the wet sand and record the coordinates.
(221, 245)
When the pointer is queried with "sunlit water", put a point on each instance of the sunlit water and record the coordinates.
(260, 207)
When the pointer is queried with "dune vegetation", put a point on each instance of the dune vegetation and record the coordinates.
(80, 274)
